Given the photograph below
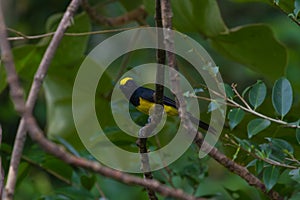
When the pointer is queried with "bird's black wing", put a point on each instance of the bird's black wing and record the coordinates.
(148, 94)
(169, 102)
(145, 93)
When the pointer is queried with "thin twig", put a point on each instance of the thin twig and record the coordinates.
(250, 110)
(32, 37)
(33, 93)
(158, 97)
(235, 168)
(161, 60)
(37, 134)
(212, 151)
(59, 152)
(16, 92)
(267, 160)
(17, 33)
(100, 191)
(167, 14)
(233, 86)
(291, 16)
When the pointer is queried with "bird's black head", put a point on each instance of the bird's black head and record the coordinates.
(128, 86)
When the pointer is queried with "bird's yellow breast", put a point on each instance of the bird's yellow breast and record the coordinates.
(146, 105)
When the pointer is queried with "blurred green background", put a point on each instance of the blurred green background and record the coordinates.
(240, 60)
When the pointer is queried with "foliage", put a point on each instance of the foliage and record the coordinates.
(262, 58)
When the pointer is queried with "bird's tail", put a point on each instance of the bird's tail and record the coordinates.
(201, 124)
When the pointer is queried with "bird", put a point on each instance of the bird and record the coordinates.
(142, 99)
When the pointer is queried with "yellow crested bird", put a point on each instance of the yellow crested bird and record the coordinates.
(143, 99)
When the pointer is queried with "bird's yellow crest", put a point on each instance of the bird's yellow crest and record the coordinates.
(124, 80)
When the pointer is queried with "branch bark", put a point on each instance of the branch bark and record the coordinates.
(50, 147)
(236, 168)
(34, 90)
(214, 153)
(158, 97)
(139, 14)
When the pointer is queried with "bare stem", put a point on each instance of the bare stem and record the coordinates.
(235, 168)
(33, 93)
(32, 37)
(37, 134)
(250, 110)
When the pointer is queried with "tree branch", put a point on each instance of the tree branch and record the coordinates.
(212, 151)
(59, 152)
(246, 108)
(50, 147)
(34, 90)
(291, 16)
(158, 97)
(235, 168)
(138, 14)
(33, 37)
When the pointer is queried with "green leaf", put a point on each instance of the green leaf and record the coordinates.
(298, 135)
(68, 146)
(259, 166)
(297, 7)
(257, 94)
(181, 182)
(256, 47)
(282, 96)
(214, 105)
(3, 82)
(88, 181)
(58, 94)
(58, 84)
(130, 5)
(228, 90)
(23, 171)
(245, 1)
(71, 48)
(75, 193)
(246, 90)
(282, 145)
(295, 175)
(198, 16)
(53, 21)
(24, 56)
(245, 144)
(286, 5)
(235, 116)
(270, 176)
(295, 196)
(257, 125)
(57, 167)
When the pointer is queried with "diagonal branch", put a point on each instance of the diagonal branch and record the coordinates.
(34, 90)
(212, 151)
(235, 168)
(59, 152)
(139, 14)
(50, 147)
